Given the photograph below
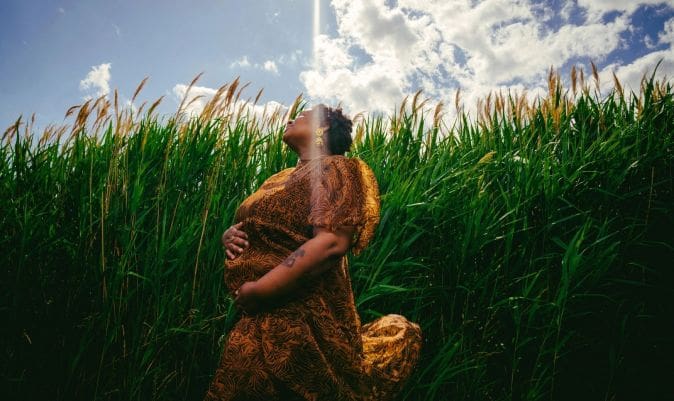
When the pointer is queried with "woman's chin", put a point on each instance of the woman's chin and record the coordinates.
(286, 136)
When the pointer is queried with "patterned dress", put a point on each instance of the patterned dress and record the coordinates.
(311, 346)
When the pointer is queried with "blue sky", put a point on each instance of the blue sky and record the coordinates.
(369, 55)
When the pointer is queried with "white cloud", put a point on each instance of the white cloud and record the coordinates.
(595, 9)
(384, 51)
(240, 62)
(386, 33)
(97, 79)
(630, 75)
(61, 10)
(196, 106)
(566, 10)
(129, 105)
(293, 57)
(360, 88)
(270, 66)
(205, 94)
(667, 35)
(118, 32)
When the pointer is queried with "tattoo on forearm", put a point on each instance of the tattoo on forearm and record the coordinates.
(290, 260)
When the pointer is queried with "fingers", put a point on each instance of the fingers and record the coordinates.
(236, 243)
(234, 240)
(239, 241)
(239, 304)
(234, 248)
(229, 253)
(240, 233)
(237, 229)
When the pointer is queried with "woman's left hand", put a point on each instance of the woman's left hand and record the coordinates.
(248, 298)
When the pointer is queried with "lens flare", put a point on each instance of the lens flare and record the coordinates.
(317, 31)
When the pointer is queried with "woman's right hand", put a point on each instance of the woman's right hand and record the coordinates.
(234, 240)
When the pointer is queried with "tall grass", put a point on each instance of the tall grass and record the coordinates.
(533, 244)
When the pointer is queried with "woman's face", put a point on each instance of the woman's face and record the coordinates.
(299, 132)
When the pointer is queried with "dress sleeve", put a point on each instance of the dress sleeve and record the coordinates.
(345, 192)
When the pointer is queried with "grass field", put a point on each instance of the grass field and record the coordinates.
(533, 244)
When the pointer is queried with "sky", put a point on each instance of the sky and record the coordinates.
(365, 55)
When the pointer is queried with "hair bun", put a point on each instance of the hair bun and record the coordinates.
(339, 129)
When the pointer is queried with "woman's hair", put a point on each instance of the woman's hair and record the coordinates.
(339, 128)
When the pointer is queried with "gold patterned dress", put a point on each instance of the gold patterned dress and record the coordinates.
(311, 346)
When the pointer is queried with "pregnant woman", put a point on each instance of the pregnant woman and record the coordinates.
(299, 336)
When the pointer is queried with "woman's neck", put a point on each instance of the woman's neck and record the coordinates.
(302, 159)
(302, 162)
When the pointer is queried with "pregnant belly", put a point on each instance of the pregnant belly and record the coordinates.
(250, 265)
(270, 244)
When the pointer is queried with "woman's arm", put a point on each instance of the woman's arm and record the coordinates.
(306, 261)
